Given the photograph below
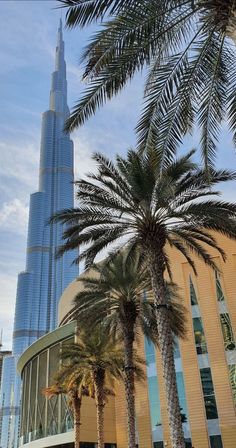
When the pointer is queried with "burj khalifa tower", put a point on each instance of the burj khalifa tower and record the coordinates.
(45, 277)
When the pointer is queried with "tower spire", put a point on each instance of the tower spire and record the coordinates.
(60, 35)
(58, 94)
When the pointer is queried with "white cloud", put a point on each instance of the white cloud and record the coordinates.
(14, 216)
(83, 148)
(20, 161)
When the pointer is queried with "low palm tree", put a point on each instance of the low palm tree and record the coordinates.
(113, 293)
(142, 204)
(89, 367)
(188, 48)
(69, 381)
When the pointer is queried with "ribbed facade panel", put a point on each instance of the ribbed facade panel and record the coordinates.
(41, 285)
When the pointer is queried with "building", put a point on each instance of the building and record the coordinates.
(205, 367)
(44, 279)
(3, 354)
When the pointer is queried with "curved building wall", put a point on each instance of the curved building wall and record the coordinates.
(43, 420)
(205, 361)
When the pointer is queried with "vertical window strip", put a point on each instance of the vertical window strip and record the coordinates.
(232, 377)
(227, 333)
(226, 326)
(153, 387)
(201, 348)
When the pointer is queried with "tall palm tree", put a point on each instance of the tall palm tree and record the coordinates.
(114, 294)
(188, 48)
(152, 207)
(89, 367)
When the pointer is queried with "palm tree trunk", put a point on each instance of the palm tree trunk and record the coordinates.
(99, 378)
(77, 423)
(156, 268)
(129, 386)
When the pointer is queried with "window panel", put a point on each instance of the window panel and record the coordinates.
(207, 384)
(219, 290)
(199, 336)
(216, 442)
(232, 377)
(210, 406)
(149, 351)
(227, 331)
(208, 393)
(193, 295)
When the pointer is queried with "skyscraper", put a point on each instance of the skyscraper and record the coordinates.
(45, 277)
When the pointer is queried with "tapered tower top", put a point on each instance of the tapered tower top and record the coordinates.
(58, 94)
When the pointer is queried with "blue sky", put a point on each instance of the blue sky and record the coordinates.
(28, 38)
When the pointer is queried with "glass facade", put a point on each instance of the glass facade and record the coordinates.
(153, 389)
(208, 393)
(200, 340)
(227, 332)
(42, 417)
(232, 377)
(45, 278)
(216, 442)
(201, 349)
(226, 326)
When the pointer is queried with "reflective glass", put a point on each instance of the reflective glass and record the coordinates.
(227, 331)
(193, 295)
(176, 348)
(154, 402)
(232, 377)
(149, 351)
(182, 397)
(219, 290)
(188, 443)
(199, 336)
(208, 393)
(216, 442)
(41, 400)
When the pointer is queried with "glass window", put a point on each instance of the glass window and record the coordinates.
(219, 290)
(216, 442)
(158, 445)
(87, 445)
(208, 393)
(193, 295)
(176, 348)
(154, 402)
(182, 396)
(188, 443)
(227, 331)
(210, 406)
(41, 400)
(199, 336)
(149, 351)
(232, 378)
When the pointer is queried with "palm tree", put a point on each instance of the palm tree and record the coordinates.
(138, 202)
(69, 380)
(89, 367)
(188, 49)
(114, 294)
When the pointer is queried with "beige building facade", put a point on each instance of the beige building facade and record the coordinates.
(205, 365)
